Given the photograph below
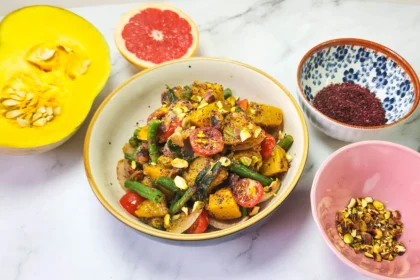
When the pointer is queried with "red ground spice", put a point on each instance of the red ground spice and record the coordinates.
(350, 104)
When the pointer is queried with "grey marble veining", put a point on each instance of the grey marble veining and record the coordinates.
(52, 226)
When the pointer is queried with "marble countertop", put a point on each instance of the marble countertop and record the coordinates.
(53, 227)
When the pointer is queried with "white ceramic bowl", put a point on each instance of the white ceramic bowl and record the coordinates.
(134, 100)
(385, 73)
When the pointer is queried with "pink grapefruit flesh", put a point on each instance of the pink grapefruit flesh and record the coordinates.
(155, 33)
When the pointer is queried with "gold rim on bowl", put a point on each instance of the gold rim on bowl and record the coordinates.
(204, 236)
(377, 48)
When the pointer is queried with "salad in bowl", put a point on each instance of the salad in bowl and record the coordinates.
(205, 160)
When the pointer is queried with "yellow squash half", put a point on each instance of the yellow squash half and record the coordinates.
(53, 64)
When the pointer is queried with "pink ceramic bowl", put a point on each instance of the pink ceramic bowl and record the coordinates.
(384, 171)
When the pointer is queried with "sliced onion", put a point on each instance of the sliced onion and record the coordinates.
(274, 190)
(219, 224)
(122, 172)
(184, 222)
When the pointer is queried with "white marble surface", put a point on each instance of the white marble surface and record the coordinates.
(52, 226)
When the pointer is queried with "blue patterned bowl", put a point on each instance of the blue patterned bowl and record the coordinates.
(381, 70)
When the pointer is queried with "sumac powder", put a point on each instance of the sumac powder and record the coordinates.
(350, 104)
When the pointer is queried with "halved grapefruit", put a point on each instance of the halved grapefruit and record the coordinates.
(151, 34)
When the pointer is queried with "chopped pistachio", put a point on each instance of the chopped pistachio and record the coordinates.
(352, 203)
(244, 134)
(364, 203)
(202, 105)
(377, 257)
(198, 205)
(254, 211)
(167, 221)
(254, 159)
(224, 161)
(369, 199)
(400, 249)
(180, 183)
(369, 255)
(348, 239)
(373, 229)
(185, 210)
(378, 233)
(257, 132)
(179, 163)
(245, 161)
(133, 164)
(196, 98)
(378, 205)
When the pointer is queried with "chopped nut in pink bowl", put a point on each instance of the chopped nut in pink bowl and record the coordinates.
(384, 171)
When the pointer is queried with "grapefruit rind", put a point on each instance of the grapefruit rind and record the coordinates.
(131, 57)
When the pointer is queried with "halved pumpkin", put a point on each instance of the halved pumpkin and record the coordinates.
(53, 64)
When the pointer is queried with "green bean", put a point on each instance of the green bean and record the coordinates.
(177, 196)
(136, 132)
(152, 133)
(167, 183)
(177, 150)
(227, 93)
(244, 211)
(178, 204)
(130, 157)
(187, 93)
(171, 95)
(208, 178)
(201, 174)
(134, 142)
(286, 142)
(244, 171)
(149, 193)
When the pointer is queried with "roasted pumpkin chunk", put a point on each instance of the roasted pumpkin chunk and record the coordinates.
(222, 205)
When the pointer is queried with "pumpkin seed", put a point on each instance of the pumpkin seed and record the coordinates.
(10, 102)
(29, 96)
(49, 111)
(57, 111)
(41, 110)
(21, 93)
(22, 122)
(36, 116)
(40, 122)
(47, 54)
(16, 97)
(13, 114)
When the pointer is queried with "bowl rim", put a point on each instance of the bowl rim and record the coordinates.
(314, 206)
(377, 48)
(205, 236)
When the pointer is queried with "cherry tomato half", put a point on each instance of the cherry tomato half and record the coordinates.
(206, 141)
(243, 104)
(267, 146)
(200, 225)
(130, 201)
(171, 129)
(247, 192)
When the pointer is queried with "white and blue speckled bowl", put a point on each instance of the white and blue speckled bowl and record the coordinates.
(381, 70)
